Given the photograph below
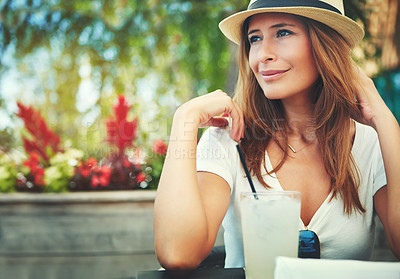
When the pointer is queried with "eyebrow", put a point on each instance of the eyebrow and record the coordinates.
(279, 25)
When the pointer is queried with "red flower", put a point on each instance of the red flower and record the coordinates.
(126, 163)
(35, 169)
(101, 176)
(120, 131)
(32, 161)
(38, 176)
(43, 138)
(159, 147)
(140, 177)
(85, 168)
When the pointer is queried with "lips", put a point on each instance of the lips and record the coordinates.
(272, 73)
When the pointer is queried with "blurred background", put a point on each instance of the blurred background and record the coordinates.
(70, 60)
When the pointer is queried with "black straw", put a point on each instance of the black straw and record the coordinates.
(246, 170)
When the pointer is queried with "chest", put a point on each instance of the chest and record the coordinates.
(305, 172)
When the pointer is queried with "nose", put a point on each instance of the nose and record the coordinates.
(266, 52)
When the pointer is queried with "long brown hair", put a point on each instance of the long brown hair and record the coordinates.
(335, 106)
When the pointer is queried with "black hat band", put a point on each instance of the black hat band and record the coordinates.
(292, 3)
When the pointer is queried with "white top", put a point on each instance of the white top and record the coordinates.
(341, 236)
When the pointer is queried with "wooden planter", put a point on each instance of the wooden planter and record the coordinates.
(76, 235)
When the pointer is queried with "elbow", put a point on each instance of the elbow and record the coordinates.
(177, 264)
(177, 258)
(173, 261)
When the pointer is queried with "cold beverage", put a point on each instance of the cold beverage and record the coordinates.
(270, 229)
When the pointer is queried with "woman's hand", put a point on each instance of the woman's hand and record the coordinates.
(206, 110)
(371, 103)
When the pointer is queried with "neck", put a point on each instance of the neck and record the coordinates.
(300, 120)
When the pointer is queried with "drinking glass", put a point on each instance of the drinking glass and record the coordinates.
(270, 226)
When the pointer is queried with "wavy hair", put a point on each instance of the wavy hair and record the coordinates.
(335, 107)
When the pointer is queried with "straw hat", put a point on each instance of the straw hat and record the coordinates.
(329, 12)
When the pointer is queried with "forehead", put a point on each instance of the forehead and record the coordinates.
(274, 18)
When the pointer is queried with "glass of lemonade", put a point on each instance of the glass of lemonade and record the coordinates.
(270, 226)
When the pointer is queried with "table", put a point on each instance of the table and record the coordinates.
(287, 267)
(214, 273)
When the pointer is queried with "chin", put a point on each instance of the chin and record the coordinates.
(273, 95)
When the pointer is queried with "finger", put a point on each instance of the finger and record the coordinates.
(242, 125)
(236, 114)
(216, 122)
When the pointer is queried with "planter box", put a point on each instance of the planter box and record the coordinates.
(76, 223)
(77, 235)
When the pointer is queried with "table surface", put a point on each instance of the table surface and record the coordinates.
(215, 273)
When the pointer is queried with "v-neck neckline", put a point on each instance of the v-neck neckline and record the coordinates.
(279, 187)
(328, 199)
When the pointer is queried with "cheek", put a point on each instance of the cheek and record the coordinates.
(312, 68)
(253, 63)
(307, 60)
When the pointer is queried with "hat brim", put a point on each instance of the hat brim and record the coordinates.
(353, 33)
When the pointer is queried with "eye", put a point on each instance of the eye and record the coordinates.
(283, 33)
(254, 39)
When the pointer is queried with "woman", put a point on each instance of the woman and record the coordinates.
(297, 110)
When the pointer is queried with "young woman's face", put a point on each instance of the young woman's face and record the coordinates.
(280, 55)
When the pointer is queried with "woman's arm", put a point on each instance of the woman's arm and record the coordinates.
(190, 206)
(387, 199)
(387, 202)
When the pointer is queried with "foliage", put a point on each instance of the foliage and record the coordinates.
(121, 132)
(44, 141)
(8, 174)
(33, 171)
(168, 50)
(59, 174)
(156, 53)
(6, 140)
(117, 171)
(61, 170)
(388, 85)
(156, 161)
